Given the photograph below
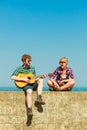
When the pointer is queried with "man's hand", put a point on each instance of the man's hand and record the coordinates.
(26, 80)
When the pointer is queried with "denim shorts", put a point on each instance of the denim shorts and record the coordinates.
(31, 86)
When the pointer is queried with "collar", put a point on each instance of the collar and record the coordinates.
(25, 67)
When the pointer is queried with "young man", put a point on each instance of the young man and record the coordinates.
(62, 78)
(25, 69)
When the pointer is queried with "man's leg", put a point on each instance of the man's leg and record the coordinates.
(29, 101)
(29, 106)
(39, 91)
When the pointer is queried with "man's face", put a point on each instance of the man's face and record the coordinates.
(27, 62)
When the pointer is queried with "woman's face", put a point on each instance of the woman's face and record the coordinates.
(63, 64)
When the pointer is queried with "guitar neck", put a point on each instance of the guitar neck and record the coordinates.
(42, 76)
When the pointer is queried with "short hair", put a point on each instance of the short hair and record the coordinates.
(25, 56)
(63, 59)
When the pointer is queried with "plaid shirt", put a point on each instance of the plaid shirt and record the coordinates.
(58, 72)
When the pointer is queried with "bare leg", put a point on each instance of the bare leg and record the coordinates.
(52, 84)
(68, 85)
(29, 98)
(40, 86)
(29, 106)
(39, 92)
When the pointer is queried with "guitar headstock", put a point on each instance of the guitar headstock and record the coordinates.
(50, 74)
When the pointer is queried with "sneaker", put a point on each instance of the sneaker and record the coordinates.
(29, 111)
(39, 100)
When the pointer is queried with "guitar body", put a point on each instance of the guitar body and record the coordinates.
(30, 76)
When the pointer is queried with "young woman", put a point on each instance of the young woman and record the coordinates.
(62, 78)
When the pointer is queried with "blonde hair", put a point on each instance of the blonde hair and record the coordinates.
(63, 59)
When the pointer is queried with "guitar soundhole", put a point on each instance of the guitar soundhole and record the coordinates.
(29, 77)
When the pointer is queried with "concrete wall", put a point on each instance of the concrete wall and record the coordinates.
(62, 111)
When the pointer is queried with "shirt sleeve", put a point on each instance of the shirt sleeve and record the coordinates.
(54, 73)
(71, 74)
(15, 72)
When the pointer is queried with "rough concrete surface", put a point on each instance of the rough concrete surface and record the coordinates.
(62, 111)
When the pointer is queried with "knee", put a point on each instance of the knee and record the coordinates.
(29, 92)
(72, 82)
(40, 80)
(49, 82)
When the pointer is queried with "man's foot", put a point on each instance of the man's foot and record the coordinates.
(29, 119)
(39, 106)
(29, 116)
(39, 100)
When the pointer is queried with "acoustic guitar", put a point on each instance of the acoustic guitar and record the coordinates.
(32, 78)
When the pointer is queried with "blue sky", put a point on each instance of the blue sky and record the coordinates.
(47, 30)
